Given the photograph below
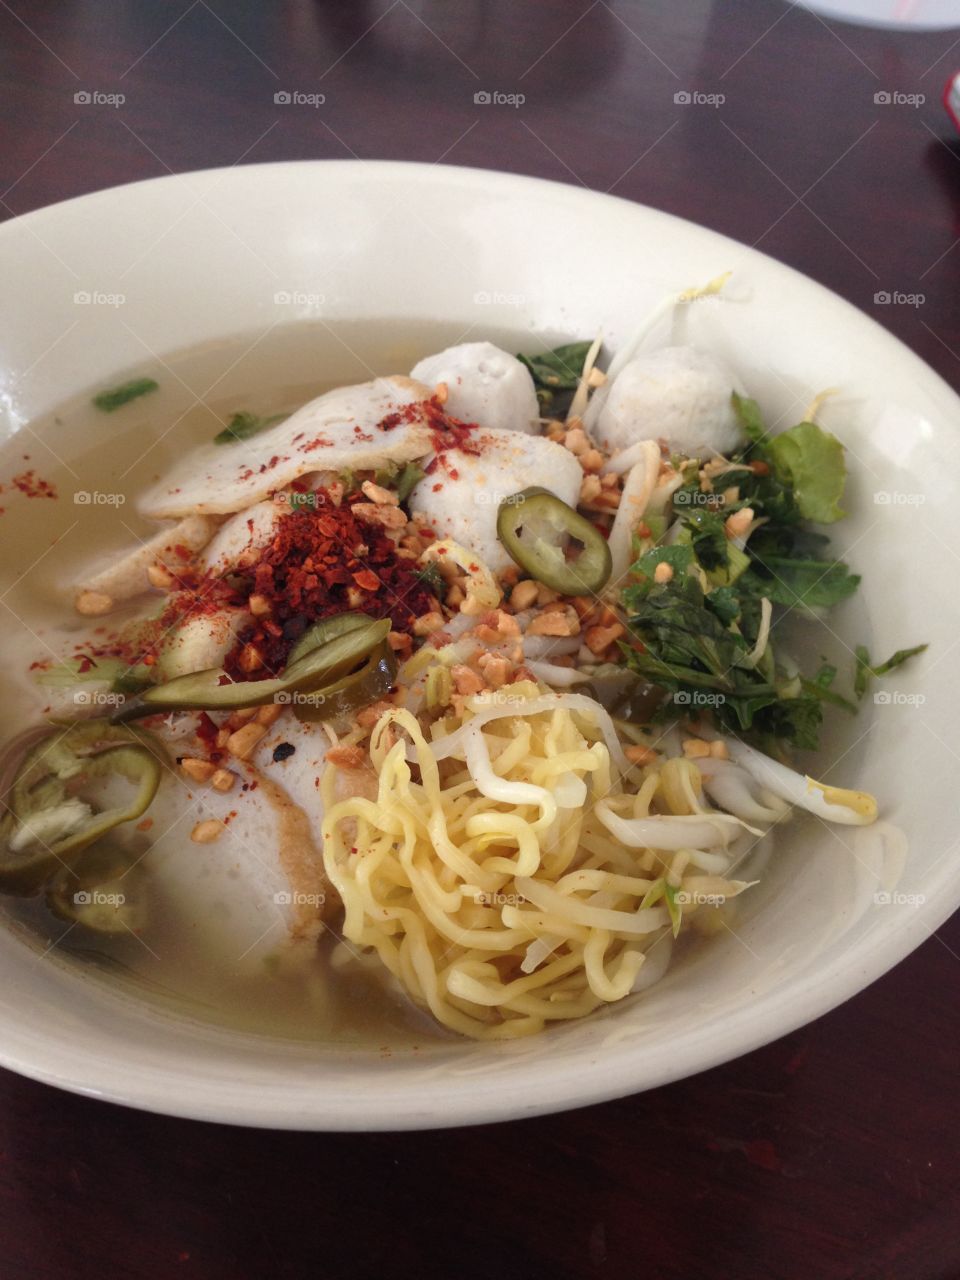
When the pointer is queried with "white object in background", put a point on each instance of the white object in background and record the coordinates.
(919, 15)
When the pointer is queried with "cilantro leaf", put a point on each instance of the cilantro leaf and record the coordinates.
(812, 460)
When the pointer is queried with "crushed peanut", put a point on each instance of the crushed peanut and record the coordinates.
(465, 680)
(259, 606)
(640, 755)
(380, 496)
(92, 603)
(524, 595)
(663, 572)
(429, 623)
(208, 831)
(736, 526)
(243, 740)
(597, 639)
(223, 780)
(390, 517)
(198, 770)
(346, 757)
(695, 748)
(563, 622)
(268, 714)
(159, 576)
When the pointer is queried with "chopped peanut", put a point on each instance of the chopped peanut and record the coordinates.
(495, 670)
(399, 640)
(455, 596)
(92, 603)
(388, 516)
(223, 780)
(198, 770)
(440, 393)
(206, 832)
(610, 480)
(465, 680)
(429, 623)
(596, 377)
(599, 638)
(737, 525)
(250, 659)
(377, 494)
(546, 595)
(663, 572)
(237, 718)
(269, 714)
(560, 623)
(259, 606)
(223, 736)
(718, 750)
(695, 748)
(640, 755)
(242, 742)
(524, 594)
(159, 576)
(591, 489)
(576, 441)
(355, 597)
(592, 460)
(335, 492)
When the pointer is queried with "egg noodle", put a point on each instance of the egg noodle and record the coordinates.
(486, 875)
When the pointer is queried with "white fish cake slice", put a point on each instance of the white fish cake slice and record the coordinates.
(348, 428)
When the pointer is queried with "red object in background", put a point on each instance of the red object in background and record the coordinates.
(951, 98)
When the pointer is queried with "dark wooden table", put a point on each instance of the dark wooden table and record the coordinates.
(832, 1153)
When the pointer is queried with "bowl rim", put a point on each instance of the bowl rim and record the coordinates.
(778, 1012)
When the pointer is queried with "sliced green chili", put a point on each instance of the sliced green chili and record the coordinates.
(538, 530)
(212, 690)
(352, 692)
(48, 823)
(324, 631)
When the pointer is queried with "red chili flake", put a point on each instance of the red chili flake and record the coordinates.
(436, 488)
(206, 729)
(31, 486)
(367, 579)
(85, 664)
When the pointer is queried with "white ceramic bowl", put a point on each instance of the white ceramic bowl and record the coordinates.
(454, 252)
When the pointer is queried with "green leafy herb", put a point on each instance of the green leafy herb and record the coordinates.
(559, 369)
(864, 671)
(431, 577)
(674, 909)
(244, 424)
(812, 460)
(116, 398)
(800, 583)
